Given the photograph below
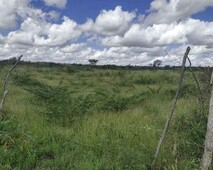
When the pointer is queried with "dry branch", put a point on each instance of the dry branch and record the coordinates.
(195, 78)
(172, 108)
(208, 150)
(200, 97)
(5, 89)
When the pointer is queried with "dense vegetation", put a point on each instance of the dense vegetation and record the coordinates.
(85, 118)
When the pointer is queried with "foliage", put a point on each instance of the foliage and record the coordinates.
(16, 146)
(93, 61)
(85, 117)
(157, 63)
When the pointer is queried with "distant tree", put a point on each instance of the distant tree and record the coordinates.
(93, 61)
(167, 66)
(11, 60)
(157, 63)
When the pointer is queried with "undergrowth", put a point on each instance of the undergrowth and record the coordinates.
(87, 118)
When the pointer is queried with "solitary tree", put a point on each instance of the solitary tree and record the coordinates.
(157, 63)
(93, 61)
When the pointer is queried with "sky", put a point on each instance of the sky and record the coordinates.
(120, 32)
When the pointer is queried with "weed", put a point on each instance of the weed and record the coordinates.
(16, 146)
(100, 119)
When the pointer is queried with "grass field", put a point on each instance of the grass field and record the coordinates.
(99, 119)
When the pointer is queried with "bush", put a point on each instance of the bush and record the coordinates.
(144, 80)
(71, 69)
(115, 103)
(55, 100)
(189, 90)
(60, 105)
(17, 147)
(21, 150)
(25, 80)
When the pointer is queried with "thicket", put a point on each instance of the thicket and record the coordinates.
(62, 105)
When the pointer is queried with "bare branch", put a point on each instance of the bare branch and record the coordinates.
(195, 78)
(200, 97)
(8, 75)
(6, 81)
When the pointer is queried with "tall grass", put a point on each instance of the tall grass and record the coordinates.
(99, 119)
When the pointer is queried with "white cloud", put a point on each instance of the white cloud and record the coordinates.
(22, 38)
(73, 48)
(110, 22)
(128, 55)
(39, 32)
(9, 10)
(190, 31)
(80, 53)
(156, 35)
(56, 3)
(122, 36)
(59, 34)
(2, 39)
(199, 55)
(35, 26)
(164, 11)
(53, 15)
(15, 11)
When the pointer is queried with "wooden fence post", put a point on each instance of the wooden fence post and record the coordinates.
(208, 150)
(172, 108)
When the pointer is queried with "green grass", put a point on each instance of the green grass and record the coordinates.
(96, 119)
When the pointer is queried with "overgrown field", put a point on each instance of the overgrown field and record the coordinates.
(99, 119)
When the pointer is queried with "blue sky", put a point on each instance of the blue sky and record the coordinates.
(80, 10)
(117, 32)
(91, 8)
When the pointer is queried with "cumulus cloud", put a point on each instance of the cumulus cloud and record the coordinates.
(73, 48)
(9, 11)
(15, 11)
(113, 37)
(110, 22)
(129, 55)
(156, 35)
(58, 34)
(74, 53)
(20, 38)
(56, 3)
(199, 55)
(80, 53)
(189, 31)
(40, 32)
(164, 11)
(53, 15)
(2, 39)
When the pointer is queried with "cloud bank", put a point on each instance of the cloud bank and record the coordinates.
(115, 36)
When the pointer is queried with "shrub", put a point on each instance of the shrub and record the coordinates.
(17, 147)
(115, 103)
(71, 69)
(188, 90)
(55, 100)
(60, 105)
(25, 80)
(144, 80)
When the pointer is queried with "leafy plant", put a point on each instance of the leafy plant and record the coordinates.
(16, 146)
